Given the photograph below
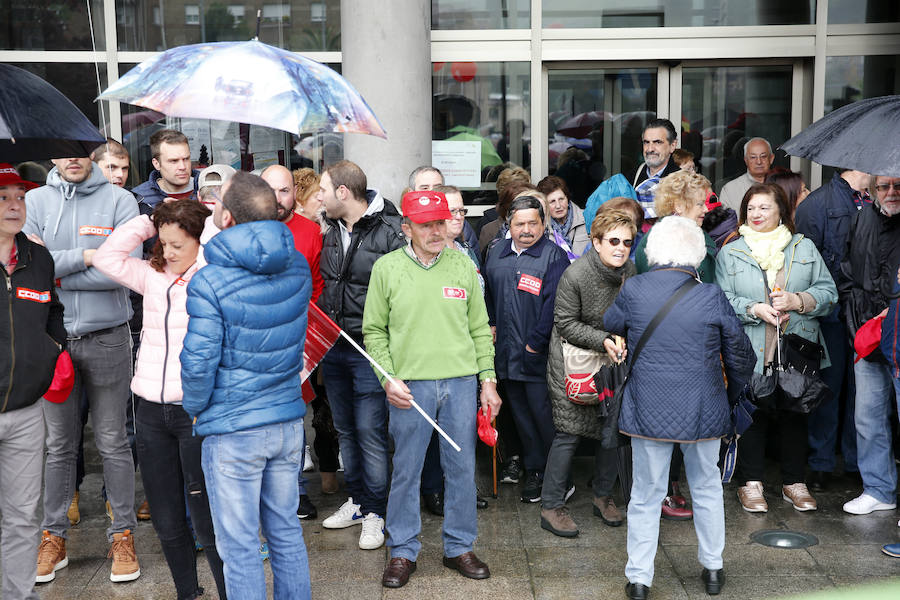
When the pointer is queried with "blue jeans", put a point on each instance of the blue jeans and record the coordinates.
(875, 453)
(251, 480)
(823, 421)
(651, 479)
(449, 402)
(359, 410)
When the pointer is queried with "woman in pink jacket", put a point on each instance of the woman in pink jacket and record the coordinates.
(169, 452)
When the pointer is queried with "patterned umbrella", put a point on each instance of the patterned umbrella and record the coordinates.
(862, 136)
(247, 82)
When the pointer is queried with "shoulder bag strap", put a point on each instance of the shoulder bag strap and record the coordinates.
(681, 291)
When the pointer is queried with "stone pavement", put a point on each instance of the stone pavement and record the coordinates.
(526, 561)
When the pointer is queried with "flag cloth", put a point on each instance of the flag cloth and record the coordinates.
(321, 335)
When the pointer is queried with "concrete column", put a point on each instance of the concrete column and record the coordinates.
(386, 50)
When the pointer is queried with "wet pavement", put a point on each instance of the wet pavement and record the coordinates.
(528, 562)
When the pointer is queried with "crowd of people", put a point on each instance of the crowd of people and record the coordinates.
(181, 308)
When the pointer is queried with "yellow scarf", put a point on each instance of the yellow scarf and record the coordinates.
(767, 248)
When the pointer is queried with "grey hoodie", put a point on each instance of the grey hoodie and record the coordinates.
(71, 218)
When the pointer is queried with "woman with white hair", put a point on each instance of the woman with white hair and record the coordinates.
(676, 394)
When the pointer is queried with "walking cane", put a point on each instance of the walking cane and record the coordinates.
(494, 458)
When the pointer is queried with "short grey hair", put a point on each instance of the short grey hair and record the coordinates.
(676, 241)
(422, 169)
(757, 139)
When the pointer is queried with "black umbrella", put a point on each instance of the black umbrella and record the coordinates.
(860, 136)
(37, 122)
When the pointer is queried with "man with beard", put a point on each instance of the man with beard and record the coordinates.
(521, 274)
(307, 235)
(658, 141)
(867, 278)
(426, 323)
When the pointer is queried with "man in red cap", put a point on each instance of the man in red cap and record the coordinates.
(32, 336)
(426, 323)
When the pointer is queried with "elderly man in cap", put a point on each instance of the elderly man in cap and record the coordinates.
(426, 323)
(26, 370)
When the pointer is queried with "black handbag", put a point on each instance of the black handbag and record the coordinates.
(610, 436)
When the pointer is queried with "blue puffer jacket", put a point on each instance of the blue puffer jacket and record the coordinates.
(613, 187)
(676, 391)
(240, 367)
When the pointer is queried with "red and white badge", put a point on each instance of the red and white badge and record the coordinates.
(180, 281)
(530, 283)
(33, 295)
(95, 230)
(455, 293)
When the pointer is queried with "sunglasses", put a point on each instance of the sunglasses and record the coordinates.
(883, 187)
(617, 241)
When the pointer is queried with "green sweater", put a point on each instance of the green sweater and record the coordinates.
(422, 324)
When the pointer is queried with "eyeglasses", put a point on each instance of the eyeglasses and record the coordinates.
(459, 212)
(883, 187)
(617, 241)
(759, 157)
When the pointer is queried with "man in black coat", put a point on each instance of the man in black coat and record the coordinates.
(866, 282)
(32, 335)
(363, 227)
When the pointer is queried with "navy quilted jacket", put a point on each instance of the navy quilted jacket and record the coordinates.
(676, 391)
(243, 352)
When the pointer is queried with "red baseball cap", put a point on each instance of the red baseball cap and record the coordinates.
(9, 176)
(63, 379)
(425, 206)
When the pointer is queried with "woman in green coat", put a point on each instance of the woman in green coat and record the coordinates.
(774, 277)
(587, 288)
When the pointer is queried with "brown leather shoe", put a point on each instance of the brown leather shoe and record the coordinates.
(329, 482)
(468, 565)
(605, 508)
(397, 572)
(143, 511)
(798, 495)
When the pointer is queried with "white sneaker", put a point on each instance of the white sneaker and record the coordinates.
(348, 514)
(569, 493)
(307, 461)
(864, 504)
(372, 535)
(340, 462)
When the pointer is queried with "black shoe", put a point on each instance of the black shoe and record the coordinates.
(534, 481)
(637, 591)
(714, 580)
(306, 510)
(512, 471)
(434, 503)
(480, 502)
(818, 481)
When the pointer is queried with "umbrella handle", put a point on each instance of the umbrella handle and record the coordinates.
(258, 21)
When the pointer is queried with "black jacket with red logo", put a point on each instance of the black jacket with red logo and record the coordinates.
(31, 325)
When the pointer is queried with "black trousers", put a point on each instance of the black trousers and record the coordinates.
(170, 466)
(790, 431)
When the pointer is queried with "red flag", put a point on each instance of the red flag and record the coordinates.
(321, 335)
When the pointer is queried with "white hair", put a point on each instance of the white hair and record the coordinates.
(757, 139)
(675, 241)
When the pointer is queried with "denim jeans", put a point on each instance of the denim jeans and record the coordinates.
(21, 459)
(102, 362)
(170, 464)
(823, 421)
(651, 478)
(251, 480)
(530, 407)
(449, 403)
(875, 453)
(559, 463)
(359, 409)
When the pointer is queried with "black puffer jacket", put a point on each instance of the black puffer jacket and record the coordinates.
(347, 275)
(869, 268)
(29, 324)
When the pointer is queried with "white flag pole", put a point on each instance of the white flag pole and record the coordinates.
(392, 380)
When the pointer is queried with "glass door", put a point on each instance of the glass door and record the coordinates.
(595, 120)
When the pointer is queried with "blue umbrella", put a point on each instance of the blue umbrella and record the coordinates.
(247, 82)
(861, 136)
(37, 122)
